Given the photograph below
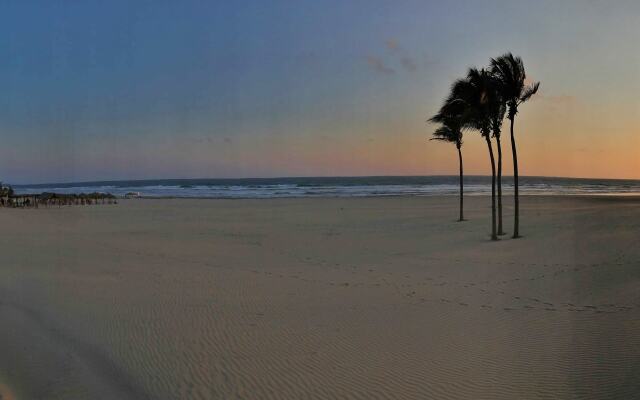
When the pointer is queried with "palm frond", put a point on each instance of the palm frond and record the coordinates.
(446, 134)
(529, 91)
(509, 69)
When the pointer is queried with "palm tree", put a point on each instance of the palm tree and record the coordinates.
(496, 114)
(476, 98)
(451, 131)
(509, 70)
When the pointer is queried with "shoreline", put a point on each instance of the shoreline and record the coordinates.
(446, 195)
(320, 187)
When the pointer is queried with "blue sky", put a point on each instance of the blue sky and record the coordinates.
(152, 89)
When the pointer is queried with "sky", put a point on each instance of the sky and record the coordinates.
(97, 90)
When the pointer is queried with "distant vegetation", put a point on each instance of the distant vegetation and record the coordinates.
(479, 102)
(8, 198)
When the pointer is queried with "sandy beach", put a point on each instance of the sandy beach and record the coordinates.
(385, 298)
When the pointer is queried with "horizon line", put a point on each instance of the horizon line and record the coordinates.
(309, 177)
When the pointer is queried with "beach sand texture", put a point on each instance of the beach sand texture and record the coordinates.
(385, 298)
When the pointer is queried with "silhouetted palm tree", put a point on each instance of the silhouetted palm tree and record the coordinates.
(474, 98)
(509, 70)
(451, 131)
(497, 110)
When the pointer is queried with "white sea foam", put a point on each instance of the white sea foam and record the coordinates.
(340, 187)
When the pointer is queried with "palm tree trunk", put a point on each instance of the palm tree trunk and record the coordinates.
(461, 186)
(500, 231)
(493, 190)
(516, 223)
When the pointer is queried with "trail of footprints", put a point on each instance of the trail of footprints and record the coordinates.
(521, 303)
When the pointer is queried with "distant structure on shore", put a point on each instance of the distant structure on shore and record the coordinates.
(8, 198)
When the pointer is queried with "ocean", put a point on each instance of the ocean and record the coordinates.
(257, 188)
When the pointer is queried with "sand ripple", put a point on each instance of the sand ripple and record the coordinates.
(355, 299)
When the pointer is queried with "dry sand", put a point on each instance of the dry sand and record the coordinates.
(321, 298)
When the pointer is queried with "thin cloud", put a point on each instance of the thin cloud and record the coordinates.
(379, 66)
(400, 55)
(392, 45)
(408, 63)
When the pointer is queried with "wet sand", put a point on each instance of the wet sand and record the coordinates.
(385, 298)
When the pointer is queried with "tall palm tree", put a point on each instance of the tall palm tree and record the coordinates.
(476, 97)
(451, 131)
(496, 114)
(509, 70)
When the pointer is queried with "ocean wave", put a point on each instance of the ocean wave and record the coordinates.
(338, 187)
